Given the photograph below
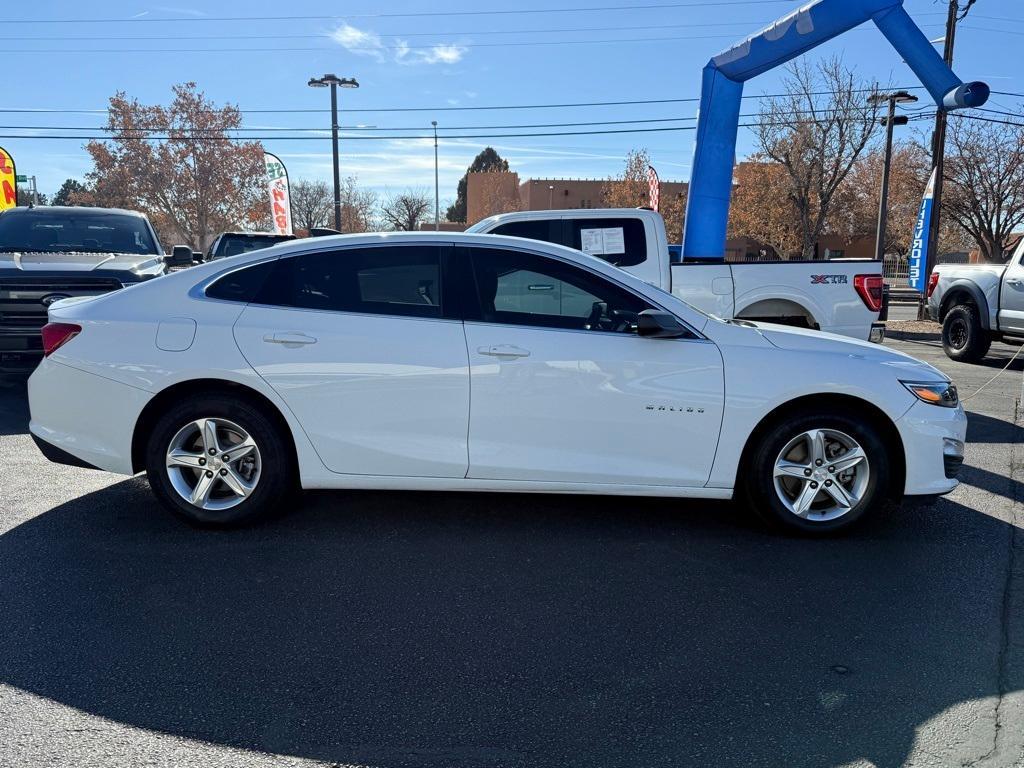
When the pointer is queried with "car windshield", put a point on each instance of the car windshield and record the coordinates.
(232, 245)
(55, 232)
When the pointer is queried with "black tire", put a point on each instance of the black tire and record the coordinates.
(758, 486)
(963, 338)
(276, 478)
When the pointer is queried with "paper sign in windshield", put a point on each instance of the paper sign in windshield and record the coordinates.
(606, 241)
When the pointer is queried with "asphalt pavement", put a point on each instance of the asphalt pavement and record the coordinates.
(433, 629)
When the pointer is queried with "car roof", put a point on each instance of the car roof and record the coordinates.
(253, 234)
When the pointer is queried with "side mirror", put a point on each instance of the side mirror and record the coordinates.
(198, 257)
(656, 324)
(181, 256)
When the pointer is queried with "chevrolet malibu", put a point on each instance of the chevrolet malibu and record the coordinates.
(437, 361)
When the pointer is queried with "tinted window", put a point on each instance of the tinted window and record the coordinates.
(535, 230)
(90, 231)
(242, 284)
(525, 289)
(621, 241)
(386, 280)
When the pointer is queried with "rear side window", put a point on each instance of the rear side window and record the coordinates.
(395, 280)
(619, 241)
(547, 231)
(242, 284)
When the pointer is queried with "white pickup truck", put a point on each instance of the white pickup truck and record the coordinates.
(977, 304)
(840, 296)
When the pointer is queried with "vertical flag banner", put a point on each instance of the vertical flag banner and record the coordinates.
(280, 195)
(918, 261)
(8, 181)
(653, 187)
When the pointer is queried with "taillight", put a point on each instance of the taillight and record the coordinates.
(869, 287)
(933, 280)
(56, 335)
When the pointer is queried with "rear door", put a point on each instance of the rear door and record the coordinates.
(368, 351)
(565, 391)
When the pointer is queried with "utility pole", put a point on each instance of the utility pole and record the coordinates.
(334, 82)
(889, 121)
(437, 188)
(938, 157)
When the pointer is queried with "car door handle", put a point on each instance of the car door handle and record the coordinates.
(504, 350)
(1014, 282)
(289, 339)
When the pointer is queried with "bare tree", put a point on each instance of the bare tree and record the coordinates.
(984, 181)
(312, 202)
(817, 141)
(407, 210)
(357, 206)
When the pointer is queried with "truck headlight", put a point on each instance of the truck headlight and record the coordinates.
(941, 393)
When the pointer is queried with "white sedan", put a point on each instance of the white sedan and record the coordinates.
(436, 361)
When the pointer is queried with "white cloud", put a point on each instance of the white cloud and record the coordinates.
(363, 42)
(359, 41)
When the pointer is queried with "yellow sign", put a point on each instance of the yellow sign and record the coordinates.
(8, 181)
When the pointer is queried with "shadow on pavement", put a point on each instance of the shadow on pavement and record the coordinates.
(13, 406)
(988, 429)
(486, 630)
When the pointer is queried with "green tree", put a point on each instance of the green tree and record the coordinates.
(68, 191)
(487, 161)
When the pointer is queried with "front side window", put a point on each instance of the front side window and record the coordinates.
(526, 289)
(387, 280)
(619, 241)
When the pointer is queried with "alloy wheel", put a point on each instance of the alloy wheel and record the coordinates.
(213, 464)
(821, 474)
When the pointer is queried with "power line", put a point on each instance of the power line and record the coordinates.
(406, 15)
(496, 107)
(121, 135)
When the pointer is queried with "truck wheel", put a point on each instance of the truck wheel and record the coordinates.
(817, 473)
(218, 461)
(963, 338)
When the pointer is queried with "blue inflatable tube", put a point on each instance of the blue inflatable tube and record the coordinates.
(707, 206)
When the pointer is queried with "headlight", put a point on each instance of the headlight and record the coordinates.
(942, 393)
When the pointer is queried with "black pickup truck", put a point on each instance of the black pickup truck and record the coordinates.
(53, 253)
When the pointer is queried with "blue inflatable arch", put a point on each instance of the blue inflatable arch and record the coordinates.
(707, 207)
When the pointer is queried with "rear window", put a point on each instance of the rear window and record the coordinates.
(233, 245)
(242, 284)
(545, 230)
(50, 231)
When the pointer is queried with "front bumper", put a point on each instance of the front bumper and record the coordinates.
(933, 439)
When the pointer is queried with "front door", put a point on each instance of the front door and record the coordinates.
(1011, 295)
(563, 390)
(360, 345)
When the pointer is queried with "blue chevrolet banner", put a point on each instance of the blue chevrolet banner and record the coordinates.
(919, 247)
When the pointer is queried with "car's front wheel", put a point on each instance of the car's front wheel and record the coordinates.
(218, 461)
(817, 473)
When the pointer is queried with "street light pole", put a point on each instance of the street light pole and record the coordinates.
(437, 188)
(888, 121)
(337, 163)
(335, 82)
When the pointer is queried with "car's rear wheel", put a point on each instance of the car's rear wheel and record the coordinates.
(218, 461)
(963, 337)
(817, 473)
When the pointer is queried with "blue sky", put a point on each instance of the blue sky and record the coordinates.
(443, 63)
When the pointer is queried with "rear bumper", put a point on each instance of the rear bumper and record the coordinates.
(83, 416)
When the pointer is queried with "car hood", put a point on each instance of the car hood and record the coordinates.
(805, 340)
(46, 261)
